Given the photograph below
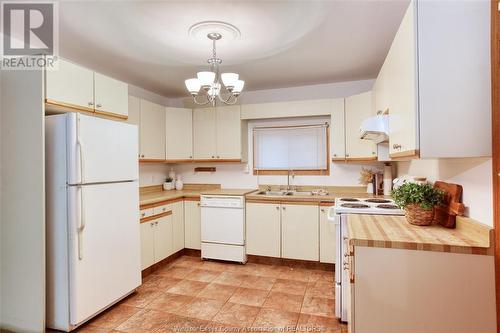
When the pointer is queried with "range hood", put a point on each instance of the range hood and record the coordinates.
(375, 128)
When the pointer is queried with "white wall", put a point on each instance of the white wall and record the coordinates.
(241, 175)
(22, 187)
(153, 174)
(318, 91)
(474, 174)
(147, 95)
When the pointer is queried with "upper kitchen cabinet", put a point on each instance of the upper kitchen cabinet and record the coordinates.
(179, 134)
(337, 130)
(111, 96)
(228, 132)
(435, 82)
(151, 131)
(70, 86)
(204, 141)
(218, 134)
(357, 109)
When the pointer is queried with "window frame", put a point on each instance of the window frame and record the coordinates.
(300, 172)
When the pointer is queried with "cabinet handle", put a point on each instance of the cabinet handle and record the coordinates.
(373, 153)
(334, 155)
(91, 103)
(284, 208)
(143, 214)
(322, 210)
(190, 156)
(346, 155)
(152, 224)
(198, 204)
(218, 156)
(142, 156)
(213, 156)
(345, 238)
(98, 105)
(278, 207)
(396, 146)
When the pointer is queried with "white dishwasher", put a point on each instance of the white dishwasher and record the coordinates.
(223, 227)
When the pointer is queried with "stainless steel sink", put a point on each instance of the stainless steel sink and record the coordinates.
(303, 193)
(275, 193)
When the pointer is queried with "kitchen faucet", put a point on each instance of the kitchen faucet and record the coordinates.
(288, 187)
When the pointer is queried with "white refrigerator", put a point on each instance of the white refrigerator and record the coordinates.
(92, 216)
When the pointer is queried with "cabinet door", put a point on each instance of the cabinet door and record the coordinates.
(263, 229)
(147, 244)
(402, 84)
(152, 131)
(163, 238)
(337, 129)
(179, 134)
(299, 232)
(192, 225)
(357, 109)
(134, 116)
(204, 142)
(327, 245)
(111, 96)
(228, 130)
(72, 85)
(178, 225)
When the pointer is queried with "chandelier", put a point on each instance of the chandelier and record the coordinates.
(208, 84)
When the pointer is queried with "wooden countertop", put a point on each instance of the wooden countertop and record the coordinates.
(332, 195)
(469, 237)
(160, 196)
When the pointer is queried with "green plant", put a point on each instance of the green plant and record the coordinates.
(423, 195)
(169, 180)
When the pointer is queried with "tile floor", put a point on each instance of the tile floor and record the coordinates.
(191, 295)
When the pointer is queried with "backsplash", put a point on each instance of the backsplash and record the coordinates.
(152, 174)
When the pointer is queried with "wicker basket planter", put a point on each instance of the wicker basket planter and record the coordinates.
(416, 215)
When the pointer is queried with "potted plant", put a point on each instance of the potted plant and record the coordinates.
(168, 184)
(418, 201)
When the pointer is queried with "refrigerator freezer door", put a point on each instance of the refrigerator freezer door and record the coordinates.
(104, 243)
(100, 150)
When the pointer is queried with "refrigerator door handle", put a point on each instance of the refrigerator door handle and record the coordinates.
(81, 225)
(80, 149)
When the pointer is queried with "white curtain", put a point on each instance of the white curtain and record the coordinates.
(291, 148)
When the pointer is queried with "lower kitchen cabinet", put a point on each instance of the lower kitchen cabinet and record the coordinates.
(156, 240)
(300, 232)
(327, 245)
(192, 225)
(178, 225)
(263, 229)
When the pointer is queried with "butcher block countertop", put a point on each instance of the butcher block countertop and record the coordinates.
(469, 237)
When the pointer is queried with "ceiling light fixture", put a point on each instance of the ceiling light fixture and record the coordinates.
(209, 82)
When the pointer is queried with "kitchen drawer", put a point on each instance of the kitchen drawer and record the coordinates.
(146, 212)
(162, 209)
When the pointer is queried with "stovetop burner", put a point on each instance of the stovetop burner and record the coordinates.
(387, 206)
(349, 199)
(375, 200)
(354, 205)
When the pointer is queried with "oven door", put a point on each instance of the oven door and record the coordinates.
(338, 266)
(344, 269)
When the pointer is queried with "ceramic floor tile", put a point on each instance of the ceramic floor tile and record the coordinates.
(189, 262)
(201, 308)
(325, 276)
(179, 324)
(217, 291)
(310, 323)
(295, 274)
(320, 289)
(214, 266)
(318, 306)
(231, 279)
(269, 320)
(87, 328)
(258, 282)
(170, 302)
(247, 296)
(142, 297)
(160, 282)
(238, 315)
(290, 286)
(188, 287)
(115, 316)
(203, 275)
(283, 301)
(145, 321)
(175, 272)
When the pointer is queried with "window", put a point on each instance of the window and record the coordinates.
(303, 149)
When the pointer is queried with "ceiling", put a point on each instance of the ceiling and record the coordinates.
(282, 43)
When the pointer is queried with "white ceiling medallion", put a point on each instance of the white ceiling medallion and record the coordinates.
(210, 82)
(200, 30)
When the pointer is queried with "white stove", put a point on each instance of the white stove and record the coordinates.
(379, 206)
(338, 215)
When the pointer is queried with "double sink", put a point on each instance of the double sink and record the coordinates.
(286, 193)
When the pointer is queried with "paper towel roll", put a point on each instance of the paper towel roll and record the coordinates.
(387, 179)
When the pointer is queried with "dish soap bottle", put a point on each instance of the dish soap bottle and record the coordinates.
(179, 185)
